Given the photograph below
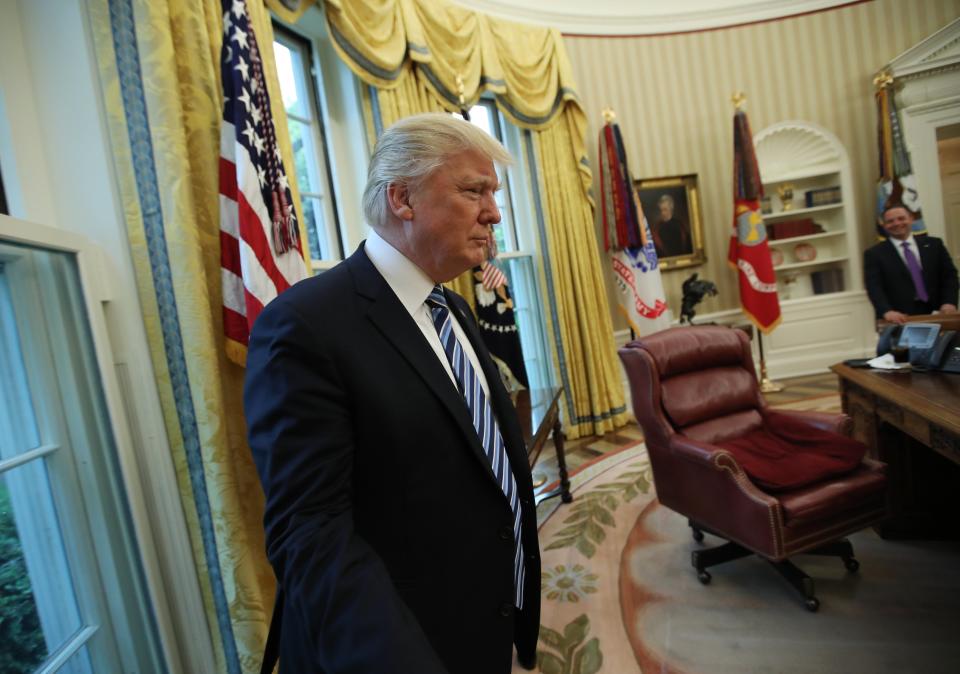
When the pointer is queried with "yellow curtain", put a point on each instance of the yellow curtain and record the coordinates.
(590, 375)
(160, 76)
(419, 55)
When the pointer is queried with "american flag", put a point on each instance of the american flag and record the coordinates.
(260, 250)
(492, 277)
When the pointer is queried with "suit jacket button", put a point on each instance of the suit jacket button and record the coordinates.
(506, 609)
(506, 533)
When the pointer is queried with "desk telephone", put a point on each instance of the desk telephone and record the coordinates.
(930, 349)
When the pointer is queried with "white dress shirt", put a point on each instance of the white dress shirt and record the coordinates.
(912, 244)
(412, 287)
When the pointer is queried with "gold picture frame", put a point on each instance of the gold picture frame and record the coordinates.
(679, 238)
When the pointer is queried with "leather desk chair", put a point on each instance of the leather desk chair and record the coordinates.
(694, 387)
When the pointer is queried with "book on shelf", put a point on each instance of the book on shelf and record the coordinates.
(822, 197)
(827, 281)
(787, 229)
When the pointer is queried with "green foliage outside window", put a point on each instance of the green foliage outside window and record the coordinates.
(22, 647)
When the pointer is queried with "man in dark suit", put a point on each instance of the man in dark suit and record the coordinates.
(403, 540)
(907, 275)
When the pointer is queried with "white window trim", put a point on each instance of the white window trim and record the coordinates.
(330, 235)
(173, 588)
(342, 114)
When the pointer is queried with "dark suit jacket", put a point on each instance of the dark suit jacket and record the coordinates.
(890, 285)
(387, 531)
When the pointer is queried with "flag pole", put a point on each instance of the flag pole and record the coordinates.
(747, 191)
(767, 385)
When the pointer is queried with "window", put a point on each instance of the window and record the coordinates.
(311, 162)
(517, 246)
(71, 592)
(485, 115)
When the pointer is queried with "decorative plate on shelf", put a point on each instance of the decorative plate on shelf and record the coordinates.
(804, 252)
(776, 256)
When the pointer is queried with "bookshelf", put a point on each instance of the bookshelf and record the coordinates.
(826, 316)
(798, 159)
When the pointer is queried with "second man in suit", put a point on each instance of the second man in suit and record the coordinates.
(907, 275)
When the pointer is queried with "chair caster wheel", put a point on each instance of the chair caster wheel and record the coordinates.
(704, 577)
(852, 565)
(812, 604)
(698, 535)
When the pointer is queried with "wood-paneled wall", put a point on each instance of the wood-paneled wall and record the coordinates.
(672, 98)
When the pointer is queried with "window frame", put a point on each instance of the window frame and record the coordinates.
(132, 626)
(522, 263)
(331, 238)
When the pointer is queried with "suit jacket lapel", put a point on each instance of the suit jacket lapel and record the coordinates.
(896, 262)
(389, 316)
(928, 262)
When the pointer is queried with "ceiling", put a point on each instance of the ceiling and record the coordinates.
(643, 17)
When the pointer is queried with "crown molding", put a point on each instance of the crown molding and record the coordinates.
(636, 18)
(938, 53)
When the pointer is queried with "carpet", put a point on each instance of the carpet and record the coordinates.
(619, 594)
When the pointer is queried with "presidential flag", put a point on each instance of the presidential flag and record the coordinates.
(261, 254)
(498, 323)
(897, 186)
(626, 237)
(749, 253)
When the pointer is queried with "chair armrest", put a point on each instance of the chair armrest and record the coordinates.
(694, 450)
(710, 488)
(825, 421)
(721, 463)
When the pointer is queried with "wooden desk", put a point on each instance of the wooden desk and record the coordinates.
(900, 416)
(539, 412)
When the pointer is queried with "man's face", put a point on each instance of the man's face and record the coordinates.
(666, 211)
(898, 223)
(452, 211)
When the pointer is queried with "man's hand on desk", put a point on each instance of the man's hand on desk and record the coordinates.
(948, 309)
(896, 317)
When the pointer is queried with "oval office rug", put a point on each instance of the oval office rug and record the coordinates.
(619, 594)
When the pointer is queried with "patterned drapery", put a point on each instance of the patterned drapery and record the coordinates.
(160, 79)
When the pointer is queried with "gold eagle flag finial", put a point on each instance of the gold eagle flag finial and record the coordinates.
(738, 99)
(609, 116)
(883, 80)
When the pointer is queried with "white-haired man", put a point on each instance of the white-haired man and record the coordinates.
(400, 519)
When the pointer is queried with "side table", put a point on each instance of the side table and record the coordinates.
(539, 412)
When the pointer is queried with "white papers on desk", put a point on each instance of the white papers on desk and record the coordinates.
(886, 362)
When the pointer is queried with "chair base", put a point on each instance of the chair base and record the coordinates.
(801, 582)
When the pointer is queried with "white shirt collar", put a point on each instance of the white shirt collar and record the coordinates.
(909, 240)
(411, 284)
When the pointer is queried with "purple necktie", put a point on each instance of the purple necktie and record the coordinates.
(914, 266)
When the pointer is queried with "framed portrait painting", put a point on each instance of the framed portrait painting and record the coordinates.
(672, 208)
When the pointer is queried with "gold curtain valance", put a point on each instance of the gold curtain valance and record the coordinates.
(526, 67)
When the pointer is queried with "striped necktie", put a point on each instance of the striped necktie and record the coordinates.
(485, 424)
